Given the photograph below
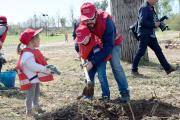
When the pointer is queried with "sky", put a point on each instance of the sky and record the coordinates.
(20, 10)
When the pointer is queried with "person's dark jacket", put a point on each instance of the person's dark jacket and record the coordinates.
(76, 24)
(145, 22)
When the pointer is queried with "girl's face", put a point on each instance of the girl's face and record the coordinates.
(36, 41)
(87, 39)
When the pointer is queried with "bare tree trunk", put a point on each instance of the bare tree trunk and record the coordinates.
(71, 14)
(124, 13)
(58, 18)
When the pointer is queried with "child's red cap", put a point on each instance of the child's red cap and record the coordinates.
(27, 35)
(81, 33)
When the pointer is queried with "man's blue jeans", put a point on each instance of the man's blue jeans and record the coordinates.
(101, 70)
(118, 70)
(144, 41)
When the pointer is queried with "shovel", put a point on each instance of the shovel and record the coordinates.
(89, 89)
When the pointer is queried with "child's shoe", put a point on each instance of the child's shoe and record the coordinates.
(31, 113)
(39, 109)
(106, 99)
(88, 97)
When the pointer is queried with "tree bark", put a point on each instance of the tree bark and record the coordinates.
(124, 13)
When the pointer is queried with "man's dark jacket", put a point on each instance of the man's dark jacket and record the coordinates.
(145, 22)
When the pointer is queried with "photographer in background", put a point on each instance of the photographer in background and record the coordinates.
(145, 30)
(76, 25)
(3, 33)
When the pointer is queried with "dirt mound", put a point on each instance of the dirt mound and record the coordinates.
(99, 110)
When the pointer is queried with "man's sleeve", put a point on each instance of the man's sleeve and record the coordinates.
(143, 13)
(108, 43)
(76, 47)
(3, 29)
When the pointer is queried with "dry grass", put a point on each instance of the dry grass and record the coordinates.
(61, 93)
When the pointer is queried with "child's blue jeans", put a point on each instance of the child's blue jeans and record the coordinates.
(101, 70)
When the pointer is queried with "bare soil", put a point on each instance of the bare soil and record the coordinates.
(153, 97)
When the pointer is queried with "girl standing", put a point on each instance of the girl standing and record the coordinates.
(32, 69)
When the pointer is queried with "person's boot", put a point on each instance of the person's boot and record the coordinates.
(172, 69)
(136, 74)
(106, 99)
(125, 97)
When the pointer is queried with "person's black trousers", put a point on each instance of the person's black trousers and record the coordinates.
(144, 41)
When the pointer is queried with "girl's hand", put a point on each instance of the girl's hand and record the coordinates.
(47, 70)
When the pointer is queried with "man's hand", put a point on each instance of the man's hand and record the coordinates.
(89, 65)
(157, 24)
(79, 56)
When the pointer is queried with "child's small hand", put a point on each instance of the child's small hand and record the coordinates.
(88, 65)
(47, 70)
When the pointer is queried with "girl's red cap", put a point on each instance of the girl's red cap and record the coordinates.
(27, 35)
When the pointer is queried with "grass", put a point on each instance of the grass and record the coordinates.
(64, 89)
(43, 38)
(69, 85)
(61, 38)
(170, 34)
(149, 63)
(159, 32)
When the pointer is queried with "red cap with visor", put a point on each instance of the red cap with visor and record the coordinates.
(3, 18)
(81, 33)
(87, 11)
(27, 35)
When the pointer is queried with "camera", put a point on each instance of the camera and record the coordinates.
(162, 26)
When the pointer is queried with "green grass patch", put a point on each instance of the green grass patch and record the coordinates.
(11, 115)
(43, 38)
(2, 85)
(159, 32)
(167, 34)
(1, 100)
(149, 63)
